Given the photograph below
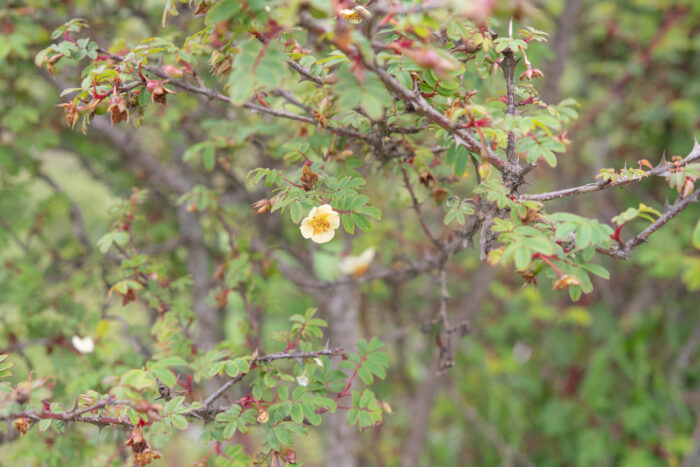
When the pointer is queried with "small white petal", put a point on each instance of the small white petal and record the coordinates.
(364, 12)
(303, 380)
(313, 213)
(84, 344)
(522, 352)
(367, 256)
(323, 209)
(307, 230)
(333, 219)
(347, 265)
(324, 237)
(357, 265)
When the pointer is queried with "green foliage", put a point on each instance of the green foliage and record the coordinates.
(642, 211)
(131, 314)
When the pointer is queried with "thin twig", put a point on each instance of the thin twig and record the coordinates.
(446, 359)
(416, 101)
(416, 207)
(660, 170)
(508, 67)
(264, 359)
(75, 212)
(215, 95)
(76, 415)
(675, 209)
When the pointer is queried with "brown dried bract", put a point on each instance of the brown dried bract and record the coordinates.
(262, 206)
(308, 178)
(21, 424)
(118, 110)
(531, 215)
(140, 449)
(71, 113)
(426, 178)
(439, 194)
(158, 92)
(202, 8)
(566, 281)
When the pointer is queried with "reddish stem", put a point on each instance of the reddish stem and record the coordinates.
(97, 95)
(616, 235)
(291, 182)
(547, 260)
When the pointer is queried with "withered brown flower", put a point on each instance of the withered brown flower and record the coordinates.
(308, 178)
(158, 92)
(262, 206)
(140, 449)
(118, 109)
(531, 73)
(202, 8)
(71, 113)
(566, 281)
(21, 424)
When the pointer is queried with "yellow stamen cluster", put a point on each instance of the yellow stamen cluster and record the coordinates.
(320, 224)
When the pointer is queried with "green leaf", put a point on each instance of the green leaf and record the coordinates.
(138, 379)
(297, 413)
(366, 397)
(45, 424)
(222, 11)
(242, 364)
(365, 375)
(169, 361)
(361, 221)
(298, 392)
(269, 381)
(461, 159)
(232, 369)
(348, 224)
(241, 84)
(165, 375)
(178, 421)
(365, 419)
(451, 154)
(310, 413)
(696, 235)
(284, 436)
(405, 79)
(353, 416)
(371, 211)
(374, 344)
(450, 216)
(596, 269)
(358, 202)
(521, 257)
(295, 212)
(584, 236)
(372, 104)
(375, 368)
(208, 157)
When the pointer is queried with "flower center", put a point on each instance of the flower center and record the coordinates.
(320, 225)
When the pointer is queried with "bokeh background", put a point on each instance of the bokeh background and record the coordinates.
(613, 379)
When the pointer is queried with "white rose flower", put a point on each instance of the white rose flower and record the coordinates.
(83, 344)
(320, 224)
(357, 265)
(303, 380)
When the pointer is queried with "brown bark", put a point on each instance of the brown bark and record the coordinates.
(209, 333)
(175, 180)
(421, 405)
(341, 305)
(561, 46)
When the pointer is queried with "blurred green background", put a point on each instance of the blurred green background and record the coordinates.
(612, 380)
